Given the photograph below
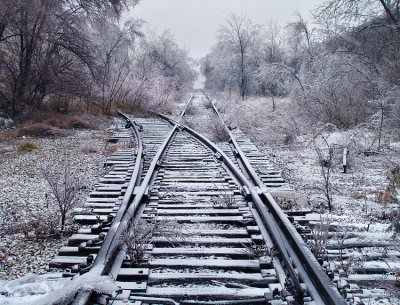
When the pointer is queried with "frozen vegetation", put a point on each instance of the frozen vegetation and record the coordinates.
(29, 217)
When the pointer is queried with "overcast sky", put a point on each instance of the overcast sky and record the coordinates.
(194, 23)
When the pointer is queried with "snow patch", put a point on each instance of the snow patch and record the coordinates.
(35, 289)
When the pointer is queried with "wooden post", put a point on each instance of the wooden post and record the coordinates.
(345, 161)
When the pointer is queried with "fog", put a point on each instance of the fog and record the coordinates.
(194, 23)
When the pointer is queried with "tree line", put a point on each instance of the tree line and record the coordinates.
(342, 68)
(78, 53)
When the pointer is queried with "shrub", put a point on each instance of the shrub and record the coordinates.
(190, 110)
(139, 237)
(79, 123)
(335, 90)
(37, 130)
(64, 185)
(319, 239)
(219, 133)
(68, 120)
(89, 150)
(8, 134)
(27, 146)
(391, 193)
(395, 221)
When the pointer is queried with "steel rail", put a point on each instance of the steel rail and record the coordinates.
(131, 202)
(269, 219)
(237, 173)
(103, 254)
(318, 283)
(99, 263)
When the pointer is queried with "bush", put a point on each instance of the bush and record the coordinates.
(218, 132)
(190, 109)
(89, 150)
(68, 120)
(335, 90)
(27, 146)
(8, 134)
(37, 130)
(79, 123)
(64, 185)
(394, 218)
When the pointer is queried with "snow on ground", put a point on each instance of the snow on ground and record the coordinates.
(26, 197)
(283, 135)
(289, 141)
(33, 289)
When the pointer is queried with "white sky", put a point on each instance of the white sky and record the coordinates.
(194, 23)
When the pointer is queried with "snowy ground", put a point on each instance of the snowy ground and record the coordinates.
(290, 142)
(283, 135)
(25, 196)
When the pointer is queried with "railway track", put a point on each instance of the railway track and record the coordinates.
(177, 222)
(361, 261)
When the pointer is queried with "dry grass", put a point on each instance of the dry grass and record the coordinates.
(137, 110)
(89, 150)
(38, 130)
(52, 124)
(113, 148)
(70, 120)
(189, 124)
(8, 134)
(27, 146)
(190, 109)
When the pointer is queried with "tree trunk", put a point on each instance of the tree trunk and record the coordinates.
(273, 103)
(380, 129)
(63, 216)
(2, 28)
(242, 77)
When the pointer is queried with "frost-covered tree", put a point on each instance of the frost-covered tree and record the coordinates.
(362, 39)
(340, 16)
(45, 49)
(337, 89)
(161, 72)
(220, 69)
(113, 49)
(247, 58)
(230, 59)
(271, 78)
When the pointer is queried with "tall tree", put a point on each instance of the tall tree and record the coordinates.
(40, 42)
(112, 47)
(239, 34)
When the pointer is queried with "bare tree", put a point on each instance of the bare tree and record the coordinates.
(325, 163)
(113, 47)
(239, 35)
(64, 186)
(44, 43)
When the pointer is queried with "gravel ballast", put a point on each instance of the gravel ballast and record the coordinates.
(26, 198)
